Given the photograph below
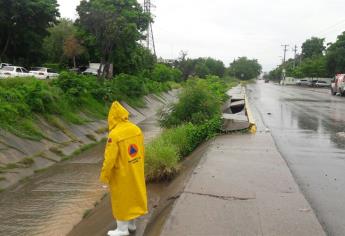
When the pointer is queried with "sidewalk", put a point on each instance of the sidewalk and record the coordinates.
(242, 186)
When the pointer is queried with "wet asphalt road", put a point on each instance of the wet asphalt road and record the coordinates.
(304, 123)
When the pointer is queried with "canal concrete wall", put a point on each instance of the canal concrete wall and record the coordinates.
(21, 157)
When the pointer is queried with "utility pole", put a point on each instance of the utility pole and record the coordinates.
(295, 54)
(285, 46)
(150, 41)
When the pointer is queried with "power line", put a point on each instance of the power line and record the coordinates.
(330, 28)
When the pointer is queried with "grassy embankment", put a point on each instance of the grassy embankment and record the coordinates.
(194, 119)
(70, 97)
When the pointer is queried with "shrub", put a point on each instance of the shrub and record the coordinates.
(163, 73)
(197, 103)
(130, 85)
(164, 153)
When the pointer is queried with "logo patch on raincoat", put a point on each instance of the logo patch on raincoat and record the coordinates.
(133, 150)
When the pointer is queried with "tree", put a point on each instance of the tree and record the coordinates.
(72, 48)
(200, 67)
(245, 69)
(23, 25)
(335, 57)
(314, 67)
(53, 44)
(114, 28)
(313, 47)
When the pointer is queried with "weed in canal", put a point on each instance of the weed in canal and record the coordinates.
(87, 213)
(56, 150)
(11, 166)
(104, 196)
(91, 137)
(27, 162)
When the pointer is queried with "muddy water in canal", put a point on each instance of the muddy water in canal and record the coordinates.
(53, 201)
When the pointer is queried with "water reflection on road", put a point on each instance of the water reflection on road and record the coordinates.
(304, 124)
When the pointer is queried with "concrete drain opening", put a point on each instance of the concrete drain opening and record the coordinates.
(235, 112)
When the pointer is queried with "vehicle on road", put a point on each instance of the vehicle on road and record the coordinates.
(14, 71)
(43, 73)
(2, 65)
(338, 85)
(313, 83)
(304, 82)
(90, 71)
(321, 84)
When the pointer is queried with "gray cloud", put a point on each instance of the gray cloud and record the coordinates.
(227, 29)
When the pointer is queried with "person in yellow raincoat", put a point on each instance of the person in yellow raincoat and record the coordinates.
(123, 170)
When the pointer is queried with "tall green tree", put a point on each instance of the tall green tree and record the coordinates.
(245, 69)
(200, 67)
(54, 43)
(314, 67)
(23, 26)
(313, 47)
(114, 28)
(336, 56)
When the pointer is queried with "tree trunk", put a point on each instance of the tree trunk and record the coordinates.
(74, 62)
(5, 47)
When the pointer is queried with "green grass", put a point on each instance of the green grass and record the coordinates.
(102, 130)
(27, 162)
(2, 178)
(41, 170)
(161, 161)
(87, 213)
(91, 137)
(57, 151)
(10, 166)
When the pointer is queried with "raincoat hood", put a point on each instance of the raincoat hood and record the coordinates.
(116, 115)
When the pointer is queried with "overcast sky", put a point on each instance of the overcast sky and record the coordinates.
(227, 29)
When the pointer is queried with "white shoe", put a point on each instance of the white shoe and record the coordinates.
(118, 233)
(122, 229)
(131, 226)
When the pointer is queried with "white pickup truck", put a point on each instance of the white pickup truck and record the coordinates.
(14, 71)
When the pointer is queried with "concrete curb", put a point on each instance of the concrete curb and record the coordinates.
(252, 124)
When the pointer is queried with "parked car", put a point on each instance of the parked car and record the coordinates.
(14, 71)
(43, 73)
(90, 71)
(304, 82)
(2, 65)
(321, 84)
(338, 85)
(313, 83)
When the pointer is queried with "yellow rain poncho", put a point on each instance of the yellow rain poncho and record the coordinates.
(123, 166)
